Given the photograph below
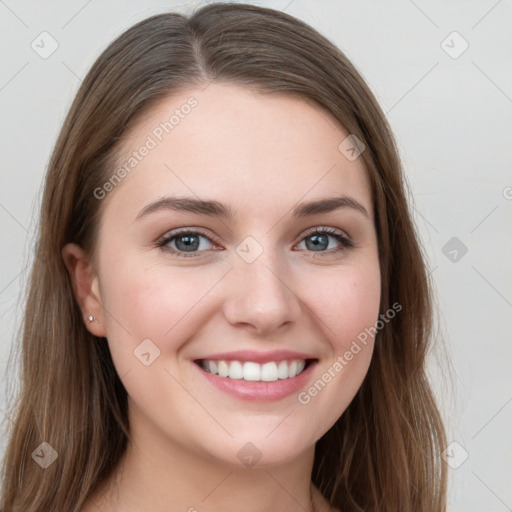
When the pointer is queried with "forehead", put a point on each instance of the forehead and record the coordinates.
(245, 148)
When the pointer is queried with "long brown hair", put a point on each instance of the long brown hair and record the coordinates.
(384, 453)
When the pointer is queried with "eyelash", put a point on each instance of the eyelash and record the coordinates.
(344, 241)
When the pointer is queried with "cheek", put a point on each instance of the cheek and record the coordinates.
(347, 306)
(154, 303)
(346, 302)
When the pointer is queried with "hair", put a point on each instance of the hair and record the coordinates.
(384, 452)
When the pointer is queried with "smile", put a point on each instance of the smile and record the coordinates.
(264, 381)
(251, 371)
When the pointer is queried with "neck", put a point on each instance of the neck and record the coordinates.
(151, 477)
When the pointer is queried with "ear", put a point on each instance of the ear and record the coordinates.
(85, 288)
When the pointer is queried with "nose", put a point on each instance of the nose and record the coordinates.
(261, 296)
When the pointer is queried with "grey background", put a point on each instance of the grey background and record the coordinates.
(452, 118)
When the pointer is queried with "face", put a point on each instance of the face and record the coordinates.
(252, 286)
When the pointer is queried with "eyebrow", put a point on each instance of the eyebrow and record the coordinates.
(214, 208)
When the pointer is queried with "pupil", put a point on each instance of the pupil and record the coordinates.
(189, 242)
(317, 240)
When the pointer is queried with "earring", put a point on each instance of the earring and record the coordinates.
(90, 318)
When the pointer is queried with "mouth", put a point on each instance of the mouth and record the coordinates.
(256, 381)
(251, 371)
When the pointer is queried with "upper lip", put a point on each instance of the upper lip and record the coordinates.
(258, 357)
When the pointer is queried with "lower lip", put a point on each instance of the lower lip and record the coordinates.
(259, 391)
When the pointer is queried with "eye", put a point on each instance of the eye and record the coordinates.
(188, 243)
(184, 241)
(317, 240)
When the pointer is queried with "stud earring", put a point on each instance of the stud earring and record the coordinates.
(90, 318)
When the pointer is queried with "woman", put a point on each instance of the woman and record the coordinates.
(229, 306)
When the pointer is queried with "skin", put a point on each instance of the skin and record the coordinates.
(259, 154)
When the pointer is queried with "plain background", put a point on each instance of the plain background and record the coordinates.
(452, 118)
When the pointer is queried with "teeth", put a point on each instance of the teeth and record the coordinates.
(222, 369)
(282, 370)
(292, 369)
(252, 371)
(236, 370)
(269, 372)
(255, 372)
